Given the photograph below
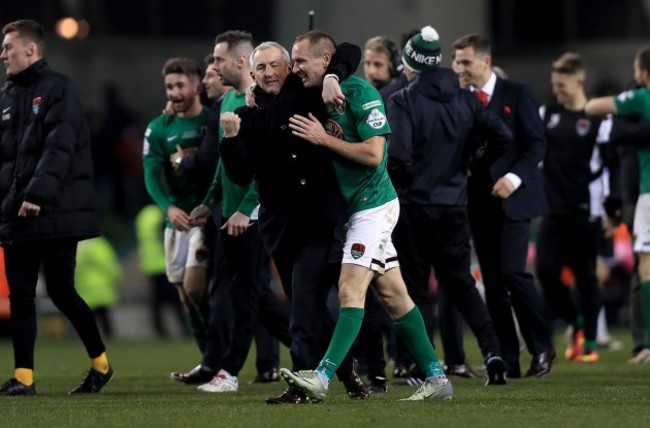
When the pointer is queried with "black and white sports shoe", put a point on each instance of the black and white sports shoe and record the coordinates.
(198, 375)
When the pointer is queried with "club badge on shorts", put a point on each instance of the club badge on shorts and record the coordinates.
(357, 250)
(201, 255)
(36, 104)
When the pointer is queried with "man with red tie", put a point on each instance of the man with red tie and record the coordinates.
(504, 194)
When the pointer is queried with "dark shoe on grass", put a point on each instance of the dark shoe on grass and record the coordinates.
(269, 376)
(292, 395)
(496, 370)
(13, 388)
(355, 387)
(93, 382)
(377, 385)
(198, 375)
(461, 370)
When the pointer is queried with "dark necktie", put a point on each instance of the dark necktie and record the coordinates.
(482, 96)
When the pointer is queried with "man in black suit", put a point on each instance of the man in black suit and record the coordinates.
(504, 194)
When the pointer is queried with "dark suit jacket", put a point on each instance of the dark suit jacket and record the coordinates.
(515, 104)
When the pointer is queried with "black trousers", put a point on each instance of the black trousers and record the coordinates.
(438, 236)
(57, 257)
(164, 294)
(570, 240)
(308, 272)
(451, 330)
(502, 248)
(243, 277)
(268, 350)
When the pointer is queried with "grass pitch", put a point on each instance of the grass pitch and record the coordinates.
(610, 393)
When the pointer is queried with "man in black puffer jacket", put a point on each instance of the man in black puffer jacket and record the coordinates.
(47, 202)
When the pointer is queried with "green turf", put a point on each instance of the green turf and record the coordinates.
(610, 393)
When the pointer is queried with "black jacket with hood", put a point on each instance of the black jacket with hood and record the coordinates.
(435, 125)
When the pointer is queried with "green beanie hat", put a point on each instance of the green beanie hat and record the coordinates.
(422, 51)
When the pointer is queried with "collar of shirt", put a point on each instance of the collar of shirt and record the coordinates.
(488, 88)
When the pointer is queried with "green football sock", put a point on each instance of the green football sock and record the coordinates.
(580, 323)
(346, 330)
(410, 328)
(645, 307)
(590, 345)
(198, 327)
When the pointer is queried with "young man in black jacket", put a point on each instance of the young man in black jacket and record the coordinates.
(46, 191)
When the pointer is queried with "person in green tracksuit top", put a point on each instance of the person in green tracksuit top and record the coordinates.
(636, 102)
(186, 253)
(245, 266)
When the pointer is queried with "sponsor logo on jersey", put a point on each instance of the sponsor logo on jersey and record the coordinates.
(376, 119)
(145, 147)
(357, 250)
(553, 121)
(333, 128)
(583, 126)
(172, 138)
(371, 104)
(36, 104)
(190, 134)
(624, 96)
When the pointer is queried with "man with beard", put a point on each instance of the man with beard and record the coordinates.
(185, 251)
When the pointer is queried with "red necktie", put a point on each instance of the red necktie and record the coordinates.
(482, 96)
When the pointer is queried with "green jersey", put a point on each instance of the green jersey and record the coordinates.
(362, 117)
(233, 197)
(637, 102)
(160, 140)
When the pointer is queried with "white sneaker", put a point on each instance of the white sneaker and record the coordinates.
(642, 357)
(222, 382)
(433, 388)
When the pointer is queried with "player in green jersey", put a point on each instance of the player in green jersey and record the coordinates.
(356, 133)
(186, 253)
(636, 103)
